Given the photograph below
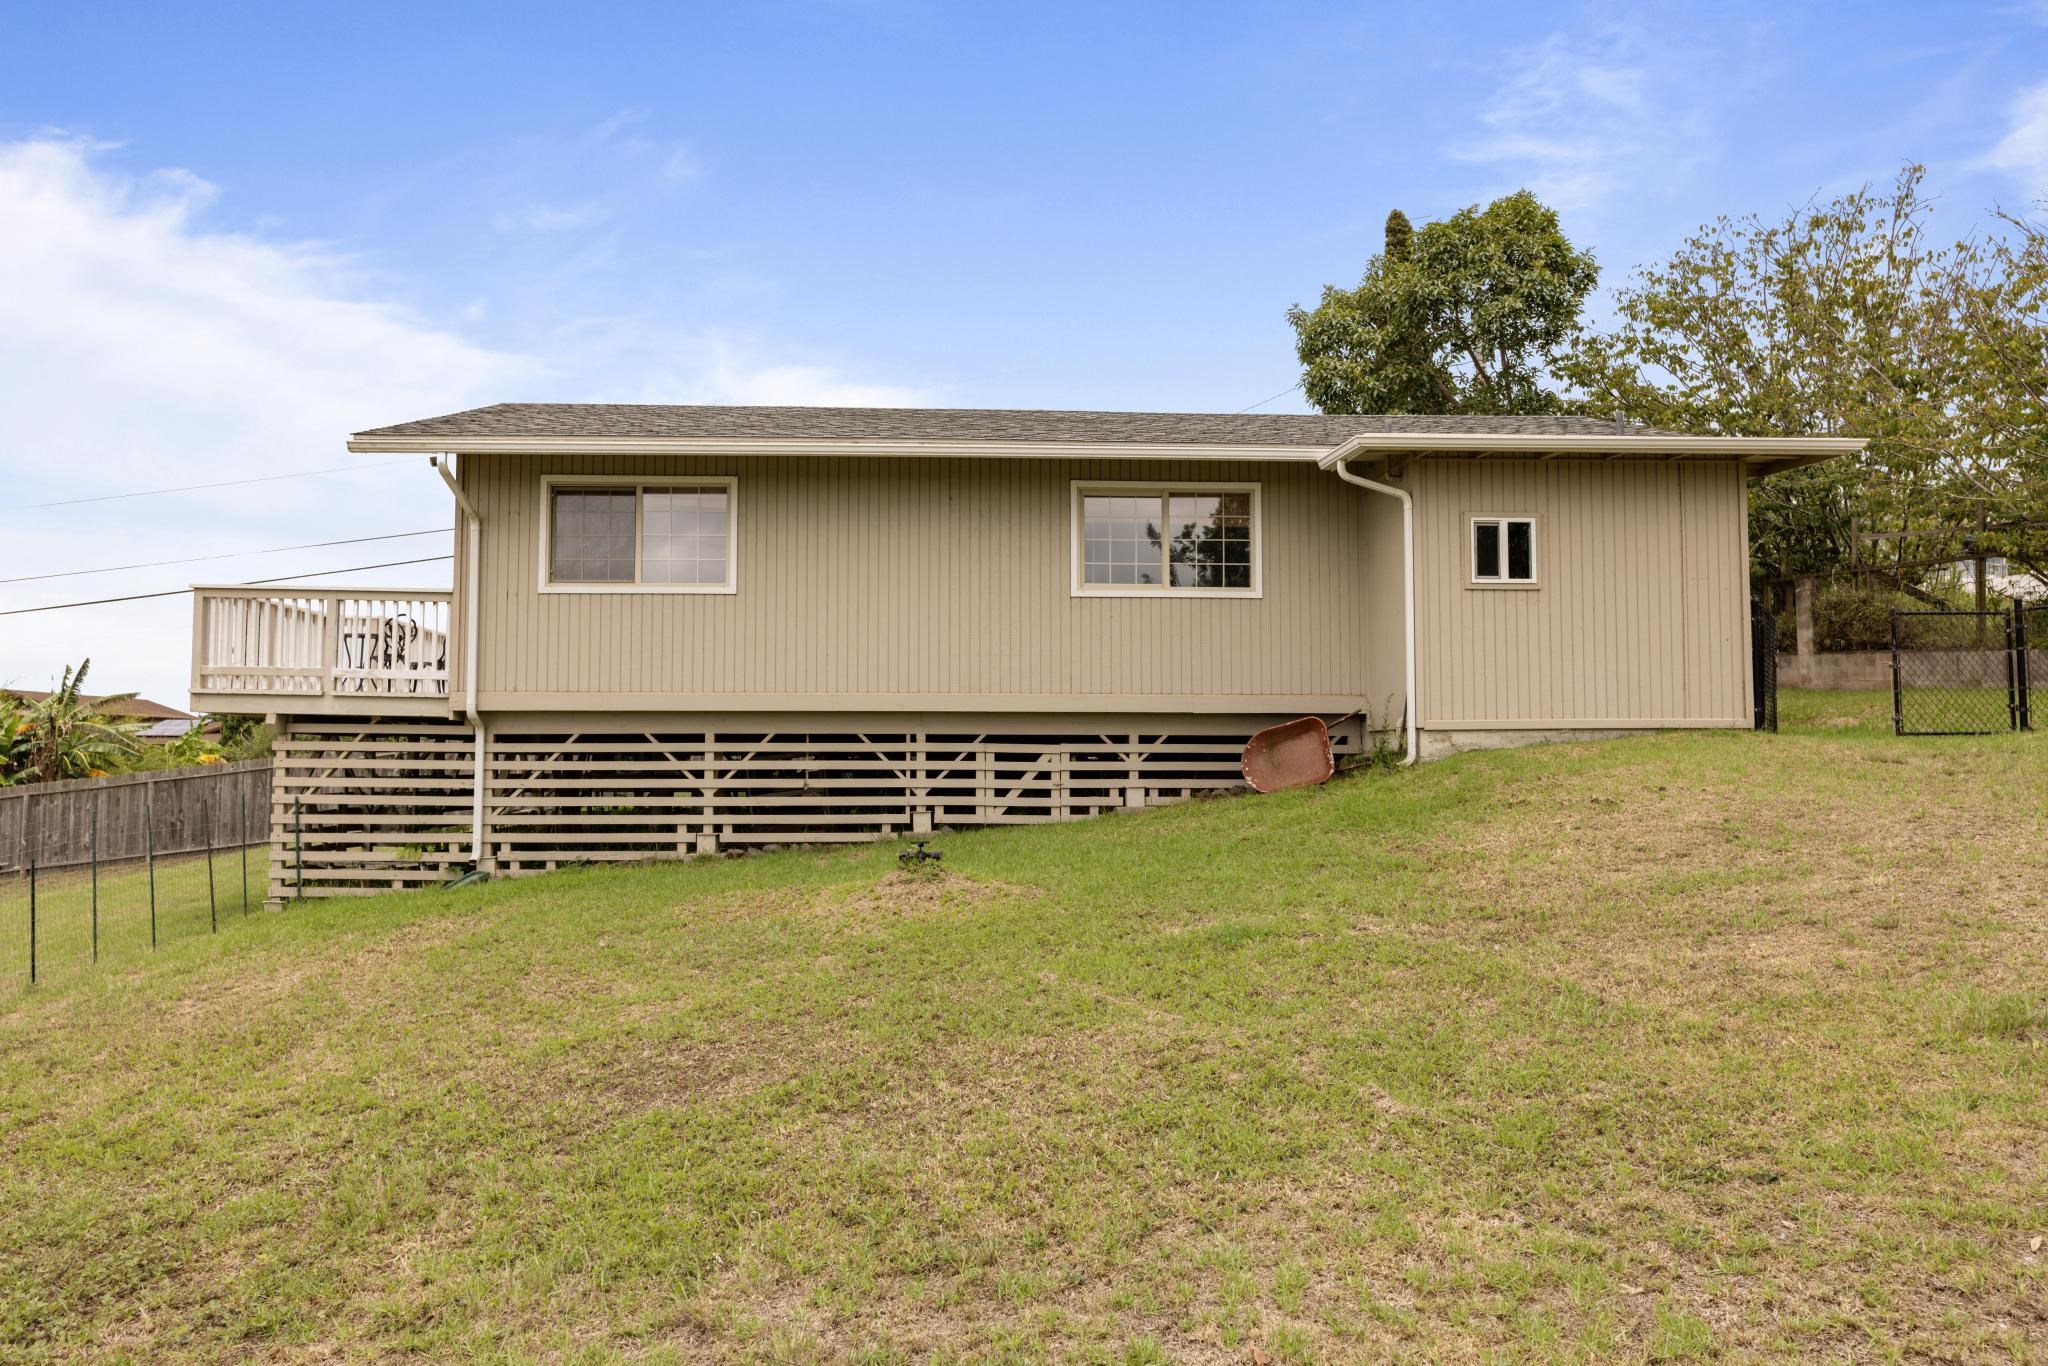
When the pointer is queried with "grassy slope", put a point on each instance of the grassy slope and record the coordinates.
(1655, 1048)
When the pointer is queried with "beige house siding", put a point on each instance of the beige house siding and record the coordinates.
(883, 584)
(1640, 616)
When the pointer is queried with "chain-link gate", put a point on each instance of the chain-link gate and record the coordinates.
(1763, 666)
(2030, 653)
(1957, 672)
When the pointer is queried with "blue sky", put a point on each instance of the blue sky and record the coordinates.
(228, 240)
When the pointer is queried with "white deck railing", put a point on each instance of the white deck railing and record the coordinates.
(320, 642)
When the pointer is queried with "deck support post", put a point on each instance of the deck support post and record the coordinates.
(273, 891)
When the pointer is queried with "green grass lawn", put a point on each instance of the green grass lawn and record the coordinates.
(186, 904)
(1692, 1045)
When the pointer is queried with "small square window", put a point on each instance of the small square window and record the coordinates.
(1504, 550)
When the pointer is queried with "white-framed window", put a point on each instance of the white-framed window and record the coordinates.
(1503, 551)
(601, 535)
(1197, 540)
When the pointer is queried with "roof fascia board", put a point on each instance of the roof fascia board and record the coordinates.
(1751, 449)
(999, 450)
(1746, 448)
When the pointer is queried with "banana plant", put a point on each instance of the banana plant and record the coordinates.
(13, 745)
(68, 735)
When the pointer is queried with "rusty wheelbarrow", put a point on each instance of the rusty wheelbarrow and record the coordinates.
(1292, 754)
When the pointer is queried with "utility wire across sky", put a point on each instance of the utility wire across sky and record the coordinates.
(194, 488)
(226, 555)
(245, 583)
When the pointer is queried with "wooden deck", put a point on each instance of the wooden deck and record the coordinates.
(320, 651)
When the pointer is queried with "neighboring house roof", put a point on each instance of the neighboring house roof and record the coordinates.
(169, 730)
(652, 421)
(135, 708)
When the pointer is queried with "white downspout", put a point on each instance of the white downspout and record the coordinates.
(1335, 461)
(470, 596)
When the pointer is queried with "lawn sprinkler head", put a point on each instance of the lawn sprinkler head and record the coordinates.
(917, 855)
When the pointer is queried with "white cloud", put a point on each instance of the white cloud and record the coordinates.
(2023, 152)
(141, 348)
(680, 166)
(1581, 118)
(550, 218)
(804, 384)
(675, 163)
(714, 370)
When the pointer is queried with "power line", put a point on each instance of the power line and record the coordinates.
(230, 555)
(1264, 401)
(246, 583)
(330, 573)
(193, 488)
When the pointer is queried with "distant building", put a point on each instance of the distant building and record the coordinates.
(2000, 579)
(165, 723)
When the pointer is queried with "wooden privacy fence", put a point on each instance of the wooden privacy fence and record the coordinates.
(134, 814)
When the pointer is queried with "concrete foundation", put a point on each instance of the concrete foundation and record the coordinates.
(1441, 744)
(1871, 670)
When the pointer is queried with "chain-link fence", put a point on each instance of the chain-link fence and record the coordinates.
(2030, 644)
(1957, 672)
(97, 887)
(1763, 665)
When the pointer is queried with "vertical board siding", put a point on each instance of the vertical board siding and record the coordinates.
(867, 577)
(1641, 610)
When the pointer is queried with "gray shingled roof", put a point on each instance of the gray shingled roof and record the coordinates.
(647, 420)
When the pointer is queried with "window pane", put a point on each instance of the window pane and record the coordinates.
(591, 539)
(1122, 539)
(682, 536)
(1212, 540)
(1486, 550)
(1521, 551)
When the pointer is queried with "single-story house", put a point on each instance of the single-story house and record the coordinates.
(680, 628)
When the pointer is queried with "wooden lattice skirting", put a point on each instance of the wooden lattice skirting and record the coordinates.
(369, 805)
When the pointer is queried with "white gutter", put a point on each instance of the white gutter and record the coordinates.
(1335, 461)
(1620, 443)
(1747, 448)
(372, 444)
(470, 598)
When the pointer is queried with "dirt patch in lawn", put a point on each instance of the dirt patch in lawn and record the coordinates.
(898, 893)
(932, 892)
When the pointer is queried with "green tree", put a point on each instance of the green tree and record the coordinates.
(71, 736)
(1459, 316)
(1843, 317)
(1400, 236)
(13, 743)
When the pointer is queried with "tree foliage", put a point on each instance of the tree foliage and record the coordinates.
(67, 735)
(1460, 316)
(1843, 317)
(13, 743)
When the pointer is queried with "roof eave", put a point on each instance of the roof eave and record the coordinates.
(372, 443)
(1778, 452)
(1759, 454)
